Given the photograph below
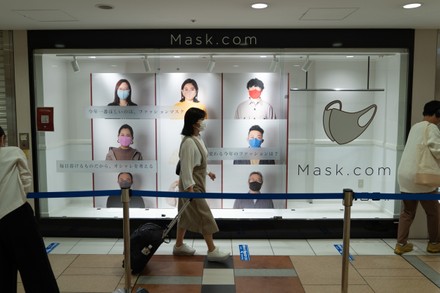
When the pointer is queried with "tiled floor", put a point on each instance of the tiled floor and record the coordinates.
(94, 265)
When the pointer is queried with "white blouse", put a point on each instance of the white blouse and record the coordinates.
(190, 157)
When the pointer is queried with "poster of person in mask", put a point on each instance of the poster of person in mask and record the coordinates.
(255, 96)
(122, 94)
(255, 140)
(255, 118)
(255, 182)
(183, 90)
(254, 107)
(123, 139)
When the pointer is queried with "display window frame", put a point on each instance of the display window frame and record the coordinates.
(299, 139)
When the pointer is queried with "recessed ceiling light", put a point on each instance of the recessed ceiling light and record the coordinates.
(412, 5)
(259, 5)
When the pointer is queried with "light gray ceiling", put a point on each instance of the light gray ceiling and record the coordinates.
(187, 14)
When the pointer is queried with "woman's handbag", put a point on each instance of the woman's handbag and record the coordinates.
(428, 169)
(178, 168)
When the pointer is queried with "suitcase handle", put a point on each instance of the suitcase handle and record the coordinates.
(170, 226)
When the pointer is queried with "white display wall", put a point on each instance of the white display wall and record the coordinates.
(298, 130)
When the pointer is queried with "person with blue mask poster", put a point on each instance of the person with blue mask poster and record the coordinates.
(255, 139)
(122, 95)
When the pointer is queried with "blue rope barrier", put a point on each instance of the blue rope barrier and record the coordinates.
(147, 193)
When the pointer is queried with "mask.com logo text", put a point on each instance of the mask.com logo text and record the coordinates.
(207, 40)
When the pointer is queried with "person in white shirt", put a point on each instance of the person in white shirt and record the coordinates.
(406, 175)
(22, 247)
(254, 107)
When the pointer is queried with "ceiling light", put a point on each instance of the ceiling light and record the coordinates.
(211, 64)
(259, 5)
(306, 66)
(146, 64)
(75, 65)
(412, 5)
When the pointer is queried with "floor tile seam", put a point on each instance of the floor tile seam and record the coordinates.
(170, 280)
(69, 265)
(362, 277)
(311, 247)
(271, 247)
(265, 272)
(223, 288)
(424, 269)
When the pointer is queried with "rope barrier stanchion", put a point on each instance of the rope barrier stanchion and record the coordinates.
(125, 199)
(348, 202)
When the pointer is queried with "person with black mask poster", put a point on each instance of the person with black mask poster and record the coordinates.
(255, 182)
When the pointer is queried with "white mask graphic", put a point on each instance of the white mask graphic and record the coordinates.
(343, 127)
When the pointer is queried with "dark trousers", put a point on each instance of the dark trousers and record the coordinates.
(408, 214)
(22, 249)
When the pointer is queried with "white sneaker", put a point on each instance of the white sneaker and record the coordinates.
(217, 255)
(183, 250)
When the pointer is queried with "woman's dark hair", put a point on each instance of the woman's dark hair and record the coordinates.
(194, 83)
(2, 132)
(116, 99)
(126, 126)
(191, 117)
(255, 82)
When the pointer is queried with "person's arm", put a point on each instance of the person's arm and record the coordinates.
(110, 155)
(187, 164)
(138, 156)
(237, 112)
(434, 140)
(271, 113)
(25, 173)
(271, 206)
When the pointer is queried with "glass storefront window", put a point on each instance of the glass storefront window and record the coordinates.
(328, 121)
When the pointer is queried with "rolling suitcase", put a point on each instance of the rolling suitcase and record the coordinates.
(147, 238)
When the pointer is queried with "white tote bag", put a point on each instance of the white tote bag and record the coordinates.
(428, 169)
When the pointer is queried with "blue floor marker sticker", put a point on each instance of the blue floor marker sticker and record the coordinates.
(51, 247)
(339, 248)
(244, 252)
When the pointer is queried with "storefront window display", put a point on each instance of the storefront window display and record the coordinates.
(277, 122)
